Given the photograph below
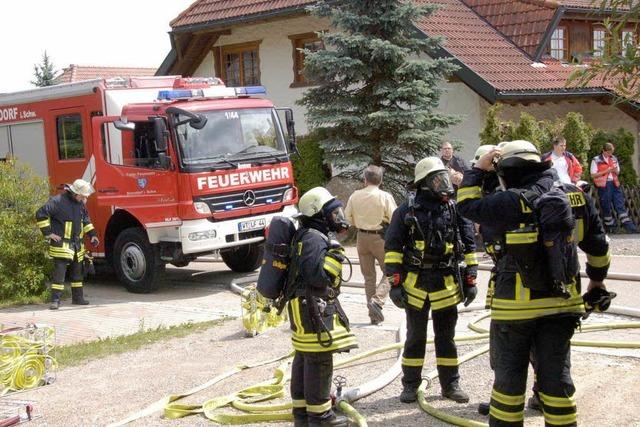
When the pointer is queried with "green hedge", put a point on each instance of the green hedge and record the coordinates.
(582, 140)
(24, 266)
(308, 169)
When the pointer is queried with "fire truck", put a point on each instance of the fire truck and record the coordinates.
(182, 167)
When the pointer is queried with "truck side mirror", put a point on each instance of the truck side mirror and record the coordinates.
(122, 125)
(291, 127)
(160, 132)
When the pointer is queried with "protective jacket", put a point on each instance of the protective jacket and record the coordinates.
(318, 322)
(603, 163)
(574, 168)
(69, 219)
(425, 258)
(513, 221)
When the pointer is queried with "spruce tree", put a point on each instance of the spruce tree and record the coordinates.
(377, 92)
(44, 72)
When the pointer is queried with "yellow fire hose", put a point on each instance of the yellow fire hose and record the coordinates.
(25, 358)
(251, 400)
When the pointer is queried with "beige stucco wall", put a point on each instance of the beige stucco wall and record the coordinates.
(600, 116)
(276, 67)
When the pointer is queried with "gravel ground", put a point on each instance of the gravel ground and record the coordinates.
(625, 244)
(109, 389)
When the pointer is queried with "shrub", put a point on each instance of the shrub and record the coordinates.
(24, 266)
(308, 169)
(578, 134)
(491, 133)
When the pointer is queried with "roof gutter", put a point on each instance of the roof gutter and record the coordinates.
(557, 16)
(543, 94)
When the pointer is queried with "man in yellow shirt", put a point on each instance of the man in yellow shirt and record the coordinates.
(369, 210)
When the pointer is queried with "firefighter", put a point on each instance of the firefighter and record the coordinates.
(318, 323)
(525, 316)
(64, 221)
(423, 246)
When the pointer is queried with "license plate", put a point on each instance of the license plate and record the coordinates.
(254, 224)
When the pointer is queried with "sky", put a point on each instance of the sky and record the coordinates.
(118, 33)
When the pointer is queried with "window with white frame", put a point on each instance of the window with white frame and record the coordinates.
(628, 39)
(558, 46)
(599, 37)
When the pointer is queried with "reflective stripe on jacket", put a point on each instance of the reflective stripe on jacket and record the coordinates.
(512, 301)
(68, 218)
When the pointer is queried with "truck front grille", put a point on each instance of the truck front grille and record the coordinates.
(244, 199)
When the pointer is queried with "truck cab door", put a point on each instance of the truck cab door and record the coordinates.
(135, 171)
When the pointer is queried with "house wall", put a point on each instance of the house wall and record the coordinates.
(600, 116)
(276, 73)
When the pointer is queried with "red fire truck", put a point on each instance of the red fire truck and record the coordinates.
(182, 167)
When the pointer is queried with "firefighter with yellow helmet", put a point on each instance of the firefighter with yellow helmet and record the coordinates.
(424, 244)
(530, 310)
(318, 323)
(64, 221)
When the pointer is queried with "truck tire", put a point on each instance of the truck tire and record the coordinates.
(136, 262)
(245, 258)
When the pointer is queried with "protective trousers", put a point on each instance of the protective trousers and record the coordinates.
(59, 273)
(444, 326)
(548, 338)
(371, 248)
(311, 375)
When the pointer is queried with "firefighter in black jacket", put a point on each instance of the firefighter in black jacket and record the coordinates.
(64, 221)
(423, 246)
(318, 323)
(524, 315)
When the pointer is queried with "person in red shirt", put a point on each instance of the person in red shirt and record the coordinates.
(566, 164)
(604, 172)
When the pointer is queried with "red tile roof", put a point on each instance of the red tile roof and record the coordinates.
(203, 11)
(587, 4)
(489, 53)
(524, 22)
(490, 37)
(76, 73)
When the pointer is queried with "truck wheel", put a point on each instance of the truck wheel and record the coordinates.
(136, 262)
(245, 258)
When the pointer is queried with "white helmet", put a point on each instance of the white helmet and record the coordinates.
(481, 151)
(313, 200)
(81, 188)
(518, 153)
(427, 166)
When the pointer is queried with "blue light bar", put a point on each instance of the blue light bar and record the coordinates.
(251, 90)
(179, 94)
(228, 207)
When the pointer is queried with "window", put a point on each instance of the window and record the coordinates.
(599, 37)
(70, 143)
(135, 148)
(628, 38)
(558, 46)
(309, 41)
(240, 65)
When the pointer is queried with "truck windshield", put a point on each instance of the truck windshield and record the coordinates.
(231, 135)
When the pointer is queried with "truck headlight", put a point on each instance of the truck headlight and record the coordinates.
(288, 195)
(201, 208)
(202, 235)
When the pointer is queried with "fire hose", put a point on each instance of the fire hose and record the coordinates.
(251, 400)
(25, 357)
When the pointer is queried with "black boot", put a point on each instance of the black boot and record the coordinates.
(333, 421)
(455, 393)
(534, 403)
(77, 298)
(300, 421)
(409, 394)
(55, 300)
